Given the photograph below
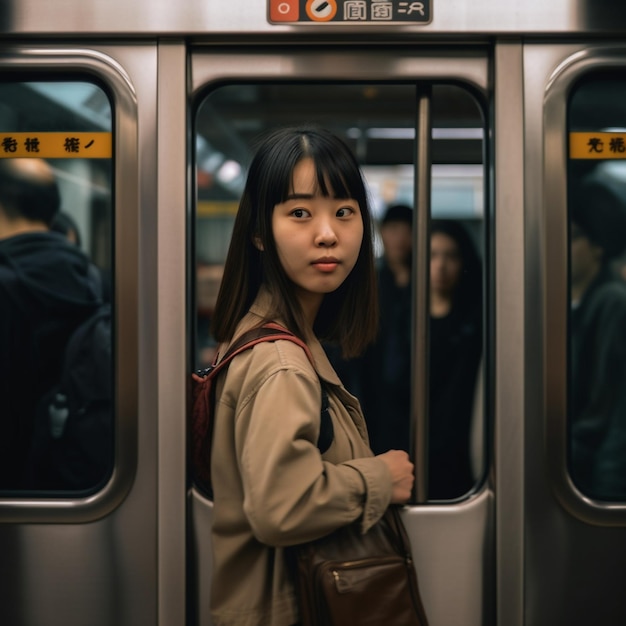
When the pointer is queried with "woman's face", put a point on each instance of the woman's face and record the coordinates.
(317, 238)
(445, 264)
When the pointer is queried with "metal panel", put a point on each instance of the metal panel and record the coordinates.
(172, 183)
(214, 18)
(509, 339)
(468, 65)
(104, 572)
(573, 569)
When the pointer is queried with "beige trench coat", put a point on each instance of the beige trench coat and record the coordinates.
(272, 488)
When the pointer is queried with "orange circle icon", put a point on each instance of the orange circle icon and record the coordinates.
(284, 10)
(321, 10)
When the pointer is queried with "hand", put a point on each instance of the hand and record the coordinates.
(401, 470)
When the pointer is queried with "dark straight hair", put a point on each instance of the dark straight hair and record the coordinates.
(348, 316)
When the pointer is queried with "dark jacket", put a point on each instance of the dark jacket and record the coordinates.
(598, 390)
(47, 287)
(455, 353)
(381, 377)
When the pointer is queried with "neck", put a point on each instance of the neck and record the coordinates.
(19, 226)
(401, 273)
(440, 305)
(310, 304)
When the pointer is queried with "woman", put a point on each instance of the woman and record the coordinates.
(301, 255)
(455, 352)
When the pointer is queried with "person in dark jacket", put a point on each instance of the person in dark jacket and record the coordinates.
(455, 354)
(381, 378)
(597, 454)
(46, 290)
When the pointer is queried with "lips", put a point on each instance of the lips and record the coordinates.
(326, 264)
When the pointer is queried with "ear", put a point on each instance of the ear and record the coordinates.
(258, 244)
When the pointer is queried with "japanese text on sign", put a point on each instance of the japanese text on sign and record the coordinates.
(597, 145)
(56, 145)
(349, 11)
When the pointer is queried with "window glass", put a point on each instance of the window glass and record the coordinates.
(56, 263)
(597, 287)
(378, 122)
(457, 243)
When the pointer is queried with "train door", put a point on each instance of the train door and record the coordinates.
(78, 513)
(418, 120)
(575, 489)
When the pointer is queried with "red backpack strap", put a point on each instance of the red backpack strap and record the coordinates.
(268, 332)
(202, 403)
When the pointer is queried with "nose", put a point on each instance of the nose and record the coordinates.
(326, 236)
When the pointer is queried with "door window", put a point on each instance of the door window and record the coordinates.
(56, 382)
(378, 121)
(597, 287)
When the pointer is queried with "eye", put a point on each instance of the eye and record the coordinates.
(300, 213)
(346, 211)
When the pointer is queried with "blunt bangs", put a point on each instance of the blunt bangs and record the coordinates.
(337, 170)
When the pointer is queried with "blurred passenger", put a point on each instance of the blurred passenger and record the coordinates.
(455, 354)
(598, 342)
(384, 372)
(46, 290)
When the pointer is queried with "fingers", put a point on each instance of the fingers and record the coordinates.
(402, 474)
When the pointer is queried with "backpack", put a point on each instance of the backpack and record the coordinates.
(203, 400)
(73, 432)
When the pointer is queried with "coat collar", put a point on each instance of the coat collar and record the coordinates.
(261, 311)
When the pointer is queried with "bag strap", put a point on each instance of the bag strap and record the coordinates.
(395, 521)
(267, 332)
(393, 518)
(203, 399)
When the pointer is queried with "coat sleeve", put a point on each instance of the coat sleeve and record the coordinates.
(291, 494)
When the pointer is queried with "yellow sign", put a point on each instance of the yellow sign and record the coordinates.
(597, 145)
(56, 145)
(216, 209)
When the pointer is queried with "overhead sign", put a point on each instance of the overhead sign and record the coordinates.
(56, 145)
(597, 145)
(349, 11)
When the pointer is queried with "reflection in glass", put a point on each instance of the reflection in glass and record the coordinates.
(56, 361)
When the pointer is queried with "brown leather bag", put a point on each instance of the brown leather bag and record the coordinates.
(362, 579)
